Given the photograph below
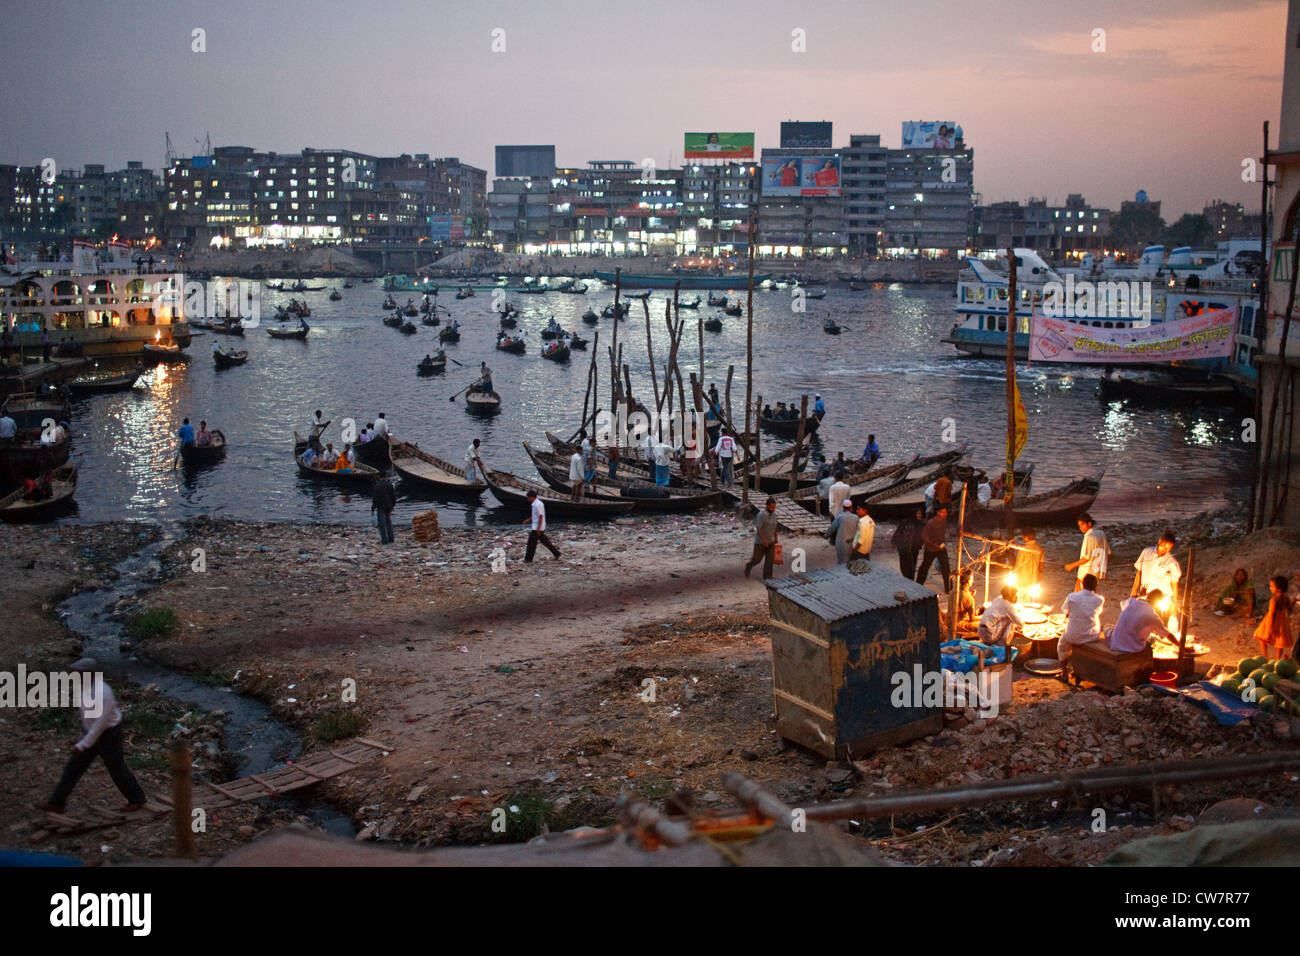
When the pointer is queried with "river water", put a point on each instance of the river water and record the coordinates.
(888, 373)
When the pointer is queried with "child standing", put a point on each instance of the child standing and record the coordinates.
(1275, 628)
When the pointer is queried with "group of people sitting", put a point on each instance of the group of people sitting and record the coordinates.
(330, 460)
(791, 412)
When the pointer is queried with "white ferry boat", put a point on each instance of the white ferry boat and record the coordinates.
(100, 303)
(1152, 295)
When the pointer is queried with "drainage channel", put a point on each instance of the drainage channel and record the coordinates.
(258, 742)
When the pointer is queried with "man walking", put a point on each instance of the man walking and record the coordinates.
(866, 535)
(838, 492)
(575, 475)
(933, 537)
(588, 449)
(725, 449)
(538, 528)
(101, 718)
(382, 501)
(1094, 552)
(843, 532)
(907, 539)
(764, 539)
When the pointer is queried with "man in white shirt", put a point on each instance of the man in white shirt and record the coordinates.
(1082, 618)
(588, 449)
(725, 449)
(1138, 623)
(1158, 568)
(1000, 619)
(663, 461)
(381, 427)
(649, 447)
(473, 465)
(537, 531)
(1094, 552)
(101, 718)
(575, 474)
(839, 491)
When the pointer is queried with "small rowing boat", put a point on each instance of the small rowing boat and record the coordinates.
(483, 403)
(512, 491)
(713, 324)
(18, 507)
(430, 473)
(168, 354)
(358, 474)
(830, 328)
(287, 333)
(199, 456)
(449, 334)
(99, 386)
(556, 352)
(224, 359)
(510, 343)
(432, 365)
(789, 427)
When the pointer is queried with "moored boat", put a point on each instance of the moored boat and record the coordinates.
(152, 354)
(687, 280)
(512, 491)
(359, 473)
(1060, 506)
(97, 386)
(431, 473)
(647, 496)
(17, 506)
(31, 411)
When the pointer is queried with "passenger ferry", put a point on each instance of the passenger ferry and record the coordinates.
(982, 294)
(102, 302)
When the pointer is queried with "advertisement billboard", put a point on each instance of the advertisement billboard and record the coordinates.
(719, 146)
(795, 135)
(925, 135)
(785, 175)
(537, 162)
(446, 227)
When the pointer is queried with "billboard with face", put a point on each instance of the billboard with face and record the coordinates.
(719, 146)
(929, 135)
(789, 175)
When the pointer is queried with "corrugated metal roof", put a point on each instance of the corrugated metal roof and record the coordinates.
(836, 593)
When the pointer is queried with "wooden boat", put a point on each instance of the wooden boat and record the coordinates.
(870, 483)
(637, 295)
(590, 317)
(1158, 391)
(410, 311)
(373, 453)
(393, 321)
(734, 310)
(571, 289)
(287, 333)
(63, 485)
(693, 304)
(431, 320)
(512, 491)
(686, 279)
(99, 386)
(556, 352)
(224, 359)
(200, 324)
(228, 328)
(449, 334)
(26, 457)
(717, 300)
(300, 309)
(361, 474)
(554, 469)
(1060, 506)
(790, 426)
(430, 473)
(511, 343)
(855, 287)
(575, 342)
(427, 307)
(432, 366)
(905, 497)
(335, 295)
(30, 411)
(508, 320)
(347, 284)
(168, 354)
(713, 324)
(609, 311)
(483, 404)
(554, 333)
(531, 290)
(407, 328)
(809, 294)
(389, 302)
(301, 286)
(830, 328)
(197, 456)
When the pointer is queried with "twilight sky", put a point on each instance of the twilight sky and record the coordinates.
(1172, 106)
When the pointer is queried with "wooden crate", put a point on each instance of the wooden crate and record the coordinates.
(425, 527)
(1110, 670)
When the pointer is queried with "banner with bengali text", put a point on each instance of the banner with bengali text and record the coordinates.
(1208, 335)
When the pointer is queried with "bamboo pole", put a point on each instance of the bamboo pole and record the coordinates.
(615, 356)
(1012, 320)
(1261, 316)
(182, 812)
(954, 589)
(1186, 610)
(755, 465)
(798, 444)
(697, 390)
(650, 347)
(749, 341)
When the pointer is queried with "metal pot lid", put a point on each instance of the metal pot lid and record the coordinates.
(1044, 666)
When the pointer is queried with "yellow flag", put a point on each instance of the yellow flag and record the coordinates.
(1022, 423)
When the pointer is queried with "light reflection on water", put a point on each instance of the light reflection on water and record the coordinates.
(887, 373)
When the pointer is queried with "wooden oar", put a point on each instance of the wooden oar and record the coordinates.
(465, 389)
(449, 358)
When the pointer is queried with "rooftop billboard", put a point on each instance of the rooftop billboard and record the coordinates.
(537, 162)
(919, 134)
(786, 175)
(719, 146)
(796, 135)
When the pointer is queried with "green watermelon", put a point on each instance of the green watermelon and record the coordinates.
(1269, 680)
(1269, 666)
(1245, 666)
(1287, 668)
(1266, 702)
(1257, 675)
(1232, 685)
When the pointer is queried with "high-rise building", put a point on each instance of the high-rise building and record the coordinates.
(866, 165)
(928, 197)
(800, 209)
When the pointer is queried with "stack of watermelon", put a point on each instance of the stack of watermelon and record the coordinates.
(1254, 681)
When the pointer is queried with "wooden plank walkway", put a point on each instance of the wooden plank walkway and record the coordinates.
(792, 517)
(312, 769)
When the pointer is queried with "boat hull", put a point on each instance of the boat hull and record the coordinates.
(686, 280)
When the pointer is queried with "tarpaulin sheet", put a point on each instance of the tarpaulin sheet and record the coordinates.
(1228, 709)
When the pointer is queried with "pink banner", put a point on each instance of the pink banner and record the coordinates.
(1208, 335)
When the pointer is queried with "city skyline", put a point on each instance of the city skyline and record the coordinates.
(1174, 103)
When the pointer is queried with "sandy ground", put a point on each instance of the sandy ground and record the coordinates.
(527, 689)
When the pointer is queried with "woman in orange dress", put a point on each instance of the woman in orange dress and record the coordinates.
(1275, 628)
